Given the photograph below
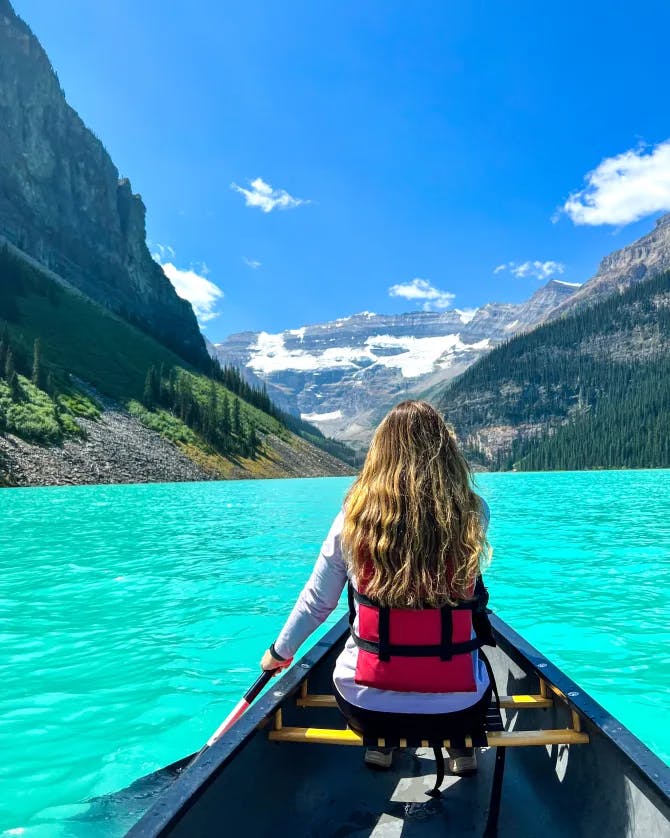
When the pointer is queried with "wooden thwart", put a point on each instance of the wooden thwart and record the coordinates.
(507, 739)
(507, 702)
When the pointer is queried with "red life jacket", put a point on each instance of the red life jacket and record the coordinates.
(427, 650)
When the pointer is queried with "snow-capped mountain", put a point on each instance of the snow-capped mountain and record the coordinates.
(343, 374)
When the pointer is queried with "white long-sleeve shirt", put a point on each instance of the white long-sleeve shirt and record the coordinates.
(318, 599)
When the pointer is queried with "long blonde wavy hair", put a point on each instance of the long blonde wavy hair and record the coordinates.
(412, 523)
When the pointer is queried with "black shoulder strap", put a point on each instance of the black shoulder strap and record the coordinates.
(352, 607)
(480, 618)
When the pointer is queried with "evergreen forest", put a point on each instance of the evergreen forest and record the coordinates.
(588, 390)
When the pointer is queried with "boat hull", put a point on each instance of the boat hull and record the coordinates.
(245, 784)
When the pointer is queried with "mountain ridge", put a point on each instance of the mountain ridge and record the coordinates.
(341, 374)
(646, 256)
(346, 394)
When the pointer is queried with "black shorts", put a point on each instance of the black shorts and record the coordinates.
(375, 724)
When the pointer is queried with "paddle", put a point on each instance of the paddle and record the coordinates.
(237, 711)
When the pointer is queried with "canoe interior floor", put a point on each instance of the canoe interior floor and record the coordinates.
(325, 791)
(350, 799)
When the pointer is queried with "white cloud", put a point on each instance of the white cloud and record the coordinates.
(423, 289)
(254, 264)
(263, 196)
(201, 293)
(535, 268)
(624, 188)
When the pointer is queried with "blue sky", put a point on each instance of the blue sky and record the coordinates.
(432, 141)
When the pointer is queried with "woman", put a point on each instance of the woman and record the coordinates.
(408, 542)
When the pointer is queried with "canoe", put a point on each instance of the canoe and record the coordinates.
(572, 769)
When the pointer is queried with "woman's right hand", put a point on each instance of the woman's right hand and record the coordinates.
(269, 663)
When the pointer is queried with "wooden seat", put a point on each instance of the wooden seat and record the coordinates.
(494, 737)
(507, 702)
(506, 738)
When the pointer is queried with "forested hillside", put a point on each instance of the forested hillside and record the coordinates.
(58, 349)
(589, 390)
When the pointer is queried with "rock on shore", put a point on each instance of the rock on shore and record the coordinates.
(118, 448)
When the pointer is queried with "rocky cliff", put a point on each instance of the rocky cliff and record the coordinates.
(645, 257)
(62, 202)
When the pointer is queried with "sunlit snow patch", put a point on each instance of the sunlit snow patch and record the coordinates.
(298, 333)
(421, 355)
(321, 417)
(270, 354)
(412, 356)
(466, 314)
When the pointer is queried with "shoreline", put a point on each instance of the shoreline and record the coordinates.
(118, 449)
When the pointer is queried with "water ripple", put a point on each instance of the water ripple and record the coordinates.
(132, 617)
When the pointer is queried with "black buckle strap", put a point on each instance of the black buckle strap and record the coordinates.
(446, 629)
(424, 651)
(384, 646)
(439, 771)
(384, 649)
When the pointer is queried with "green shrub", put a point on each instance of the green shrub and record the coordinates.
(34, 417)
(79, 404)
(165, 423)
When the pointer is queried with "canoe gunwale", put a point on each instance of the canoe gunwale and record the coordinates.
(649, 768)
(189, 786)
(652, 773)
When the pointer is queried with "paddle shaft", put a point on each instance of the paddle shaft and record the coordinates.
(242, 704)
(238, 709)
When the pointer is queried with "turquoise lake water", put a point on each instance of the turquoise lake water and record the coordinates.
(132, 617)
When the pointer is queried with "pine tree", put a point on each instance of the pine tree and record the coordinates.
(172, 387)
(10, 375)
(148, 394)
(226, 422)
(161, 388)
(4, 346)
(237, 420)
(185, 402)
(37, 364)
(152, 388)
(211, 413)
(253, 441)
